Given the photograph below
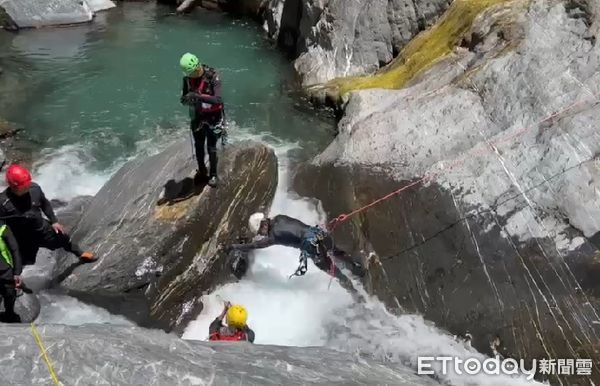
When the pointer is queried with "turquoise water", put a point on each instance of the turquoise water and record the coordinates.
(113, 86)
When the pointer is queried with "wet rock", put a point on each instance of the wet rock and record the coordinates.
(39, 13)
(495, 231)
(334, 38)
(134, 356)
(27, 307)
(164, 257)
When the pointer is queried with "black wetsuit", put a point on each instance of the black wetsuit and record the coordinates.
(203, 125)
(217, 326)
(291, 232)
(24, 216)
(8, 270)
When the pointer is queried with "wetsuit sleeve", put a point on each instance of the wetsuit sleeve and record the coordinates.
(215, 326)
(216, 86)
(14, 250)
(262, 243)
(250, 334)
(47, 208)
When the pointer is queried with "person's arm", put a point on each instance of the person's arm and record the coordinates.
(9, 237)
(265, 242)
(215, 325)
(218, 322)
(47, 208)
(184, 88)
(250, 334)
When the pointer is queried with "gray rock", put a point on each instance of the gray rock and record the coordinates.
(27, 307)
(159, 259)
(335, 38)
(132, 356)
(39, 13)
(501, 239)
(100, 5)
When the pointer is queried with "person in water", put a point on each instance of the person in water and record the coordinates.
(313, 242)
(23, 206)
(236, 328)
(201, 91)
(10, 273)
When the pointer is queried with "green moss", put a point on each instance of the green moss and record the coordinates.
(423, 51)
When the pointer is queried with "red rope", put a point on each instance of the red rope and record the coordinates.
(491, 147)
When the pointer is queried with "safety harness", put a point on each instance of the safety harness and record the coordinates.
(313, 237)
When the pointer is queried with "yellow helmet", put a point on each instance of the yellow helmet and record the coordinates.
(237, 316)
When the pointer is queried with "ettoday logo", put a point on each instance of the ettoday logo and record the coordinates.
(496, 366)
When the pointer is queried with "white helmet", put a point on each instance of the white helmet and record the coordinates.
(254, 222)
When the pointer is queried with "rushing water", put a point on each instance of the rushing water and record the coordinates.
(92, 96)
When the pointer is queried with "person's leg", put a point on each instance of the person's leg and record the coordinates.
(211, 145)
(199, 135)
(9, 296)
(52, 240)
(326, 265)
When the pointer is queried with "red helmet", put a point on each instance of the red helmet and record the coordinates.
(18, 177)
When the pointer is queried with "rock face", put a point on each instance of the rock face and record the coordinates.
(155, 261)
(496, 232)
(40, 13)
(132, 356)
(336, 38)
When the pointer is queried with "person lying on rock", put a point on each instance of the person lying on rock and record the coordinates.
(313, 242)
(22, 206)
(201, 91)
(10, 273)
(236, 328)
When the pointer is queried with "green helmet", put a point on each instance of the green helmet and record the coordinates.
(189, 63)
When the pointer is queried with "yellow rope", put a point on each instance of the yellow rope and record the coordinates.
(38, 340)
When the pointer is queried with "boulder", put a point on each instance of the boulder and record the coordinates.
(40, 13)
(334, 38)
(27, 307)
(117, 356)
(156, 261)
(100, 5)
(495, 230)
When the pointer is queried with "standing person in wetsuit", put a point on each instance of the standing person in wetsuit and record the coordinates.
(313, 243)
(201, 91)
(10, 273)
(22, 206)
(236, 329)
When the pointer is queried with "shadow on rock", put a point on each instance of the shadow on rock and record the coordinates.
(177, 191)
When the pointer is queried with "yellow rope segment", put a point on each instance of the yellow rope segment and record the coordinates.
(38, 340)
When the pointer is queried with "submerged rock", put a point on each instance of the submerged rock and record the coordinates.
(156, 261)
(133, 356)
(495, 233)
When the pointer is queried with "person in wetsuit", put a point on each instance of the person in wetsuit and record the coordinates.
(22, 206)
(201, 91)
(236, 328)
(10, 273)
(313, 242)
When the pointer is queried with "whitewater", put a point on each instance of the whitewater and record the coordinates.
(312, 310)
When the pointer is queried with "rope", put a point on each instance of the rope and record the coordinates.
(38, 340)
(489, 147)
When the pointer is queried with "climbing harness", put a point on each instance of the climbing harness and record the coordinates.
(44, 352)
